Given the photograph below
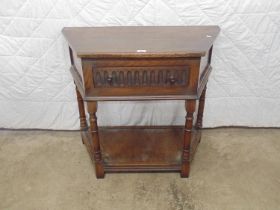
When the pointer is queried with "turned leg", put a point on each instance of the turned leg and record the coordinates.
(83, 121)
(190, 108)
(199, 118)
(92, 109)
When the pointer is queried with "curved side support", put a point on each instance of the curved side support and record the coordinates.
(199, 121)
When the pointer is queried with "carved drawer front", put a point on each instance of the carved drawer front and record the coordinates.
(156, 76)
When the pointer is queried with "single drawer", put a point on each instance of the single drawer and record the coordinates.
(141, 76)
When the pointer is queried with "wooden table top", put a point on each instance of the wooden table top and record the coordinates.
(141, 41)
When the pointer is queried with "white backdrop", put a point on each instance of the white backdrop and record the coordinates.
(37, 91)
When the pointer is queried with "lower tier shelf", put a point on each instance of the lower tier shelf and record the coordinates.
(140, 149)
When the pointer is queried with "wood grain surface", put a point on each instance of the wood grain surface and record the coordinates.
(135, 41)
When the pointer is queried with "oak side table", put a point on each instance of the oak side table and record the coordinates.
(141, 63)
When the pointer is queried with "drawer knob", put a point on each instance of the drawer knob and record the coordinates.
(172, 80)
(109, 80)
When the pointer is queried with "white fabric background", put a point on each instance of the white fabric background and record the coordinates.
(37, 91)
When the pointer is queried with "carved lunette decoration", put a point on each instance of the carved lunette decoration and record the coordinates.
(176, 76)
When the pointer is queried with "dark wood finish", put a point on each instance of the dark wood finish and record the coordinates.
(92, 109)
(201, 109)
(167, 68)
(83, 120)
(190, 108)
(144, 41)
(141, 63)
(142, 146)
(161, 76)
(138, 148)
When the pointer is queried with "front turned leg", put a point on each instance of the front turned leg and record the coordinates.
(190, 108)
(92, 109)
